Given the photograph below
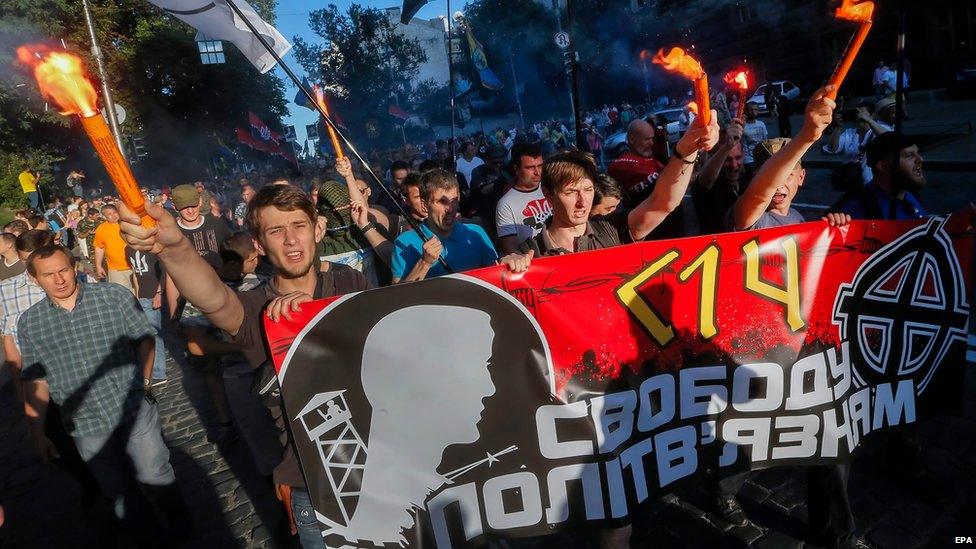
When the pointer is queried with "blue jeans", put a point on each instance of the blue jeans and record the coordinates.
(155, 317)
(34, 199)
(309, 532)
(135, 448)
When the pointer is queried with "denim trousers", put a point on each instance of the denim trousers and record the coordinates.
(136, 449)
(309, 532)
(155, 317)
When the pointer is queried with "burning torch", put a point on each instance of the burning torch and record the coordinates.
(740, 80)
(861, 13)
(320, 100)
(61, 78)
(685, 65)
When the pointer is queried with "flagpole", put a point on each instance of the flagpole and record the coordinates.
(450, 79)
(328, 120)
(109, 110)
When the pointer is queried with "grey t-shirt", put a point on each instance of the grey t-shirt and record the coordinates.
(769, 219)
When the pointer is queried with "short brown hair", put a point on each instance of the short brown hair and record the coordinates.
(567, 166)
(287, 198)
(607, 186)
(237, 247)
(45, 252)
(34, 239)
(16, 227)
(434, 180)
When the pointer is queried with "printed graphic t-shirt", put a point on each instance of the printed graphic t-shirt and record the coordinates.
(522, 213)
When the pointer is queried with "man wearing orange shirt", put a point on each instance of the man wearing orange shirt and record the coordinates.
(110, 250)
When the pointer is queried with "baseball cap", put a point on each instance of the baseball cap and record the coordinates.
(884, 103)
(767, 148)
(886, 143)
(184, 196)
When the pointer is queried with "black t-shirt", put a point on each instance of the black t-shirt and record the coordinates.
(148, 271)
(712, 205)
(206, 238)
(604, 231)
(338, 280)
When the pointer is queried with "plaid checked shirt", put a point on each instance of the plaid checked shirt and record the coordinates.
(17, 294)
(88, 355)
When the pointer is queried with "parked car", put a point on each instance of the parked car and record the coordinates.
(616, 144)
(780, 87)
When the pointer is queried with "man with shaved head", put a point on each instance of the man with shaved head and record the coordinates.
(637, 171)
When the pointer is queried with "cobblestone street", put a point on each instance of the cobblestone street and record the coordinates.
(232, 506)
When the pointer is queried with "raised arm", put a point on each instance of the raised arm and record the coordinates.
(713, 166)
(673, 182)
(759, 193)
(195, 279)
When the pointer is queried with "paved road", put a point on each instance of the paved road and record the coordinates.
(232, 505)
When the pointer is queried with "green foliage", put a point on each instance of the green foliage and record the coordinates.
(362, 62)
(172, 100)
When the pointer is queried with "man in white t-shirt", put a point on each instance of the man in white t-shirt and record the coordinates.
(754, 132)
(467, 162)
(522, 212)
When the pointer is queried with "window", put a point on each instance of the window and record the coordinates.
(211, 52)
(788, 87)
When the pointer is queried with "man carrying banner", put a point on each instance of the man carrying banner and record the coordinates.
(568, 182)
(464, 246)
(767, 203)
(282, 221)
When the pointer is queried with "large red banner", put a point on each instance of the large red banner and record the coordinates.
(489, 404)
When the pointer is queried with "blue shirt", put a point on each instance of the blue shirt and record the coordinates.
(466, 248)
(880, 206)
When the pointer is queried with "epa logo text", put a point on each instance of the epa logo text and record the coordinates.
(964, 539)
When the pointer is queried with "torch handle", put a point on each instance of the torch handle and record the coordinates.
(740, 112)
(847, 60)
(335, 142)
(116, 166)
(701, 98)
(336, 146)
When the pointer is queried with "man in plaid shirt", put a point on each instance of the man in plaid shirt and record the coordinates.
(90, 348)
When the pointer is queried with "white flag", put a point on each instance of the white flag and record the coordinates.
(217, 21)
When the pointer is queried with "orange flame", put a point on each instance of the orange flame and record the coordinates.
(740, 79)
(61, 77)
(645, 55)
(320, 99)
(679, 61)
(852, 11)
(693, 107)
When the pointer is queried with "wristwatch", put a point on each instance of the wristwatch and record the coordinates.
(145, 382)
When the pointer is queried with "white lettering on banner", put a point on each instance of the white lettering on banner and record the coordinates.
(799, 398)
(742, 383)
(677, 456)
(466, 495)
(545, 424)
(716, 396)
(754, 427)
(556, 481)
(796, 436)
(526, 486)
(890, 407)
(613, 414)
(656, 412)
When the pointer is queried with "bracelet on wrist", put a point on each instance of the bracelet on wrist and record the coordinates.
(677, 154)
